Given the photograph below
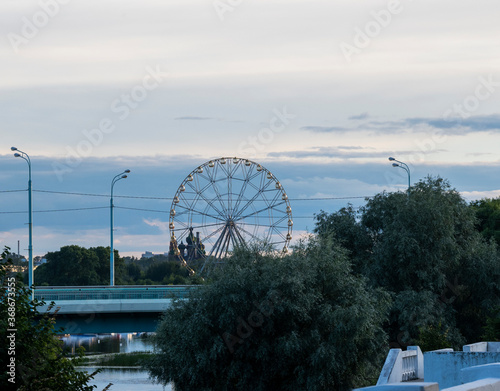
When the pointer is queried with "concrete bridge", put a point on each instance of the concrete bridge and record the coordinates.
(109, 309)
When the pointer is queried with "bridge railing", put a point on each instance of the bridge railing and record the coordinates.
(120, 292)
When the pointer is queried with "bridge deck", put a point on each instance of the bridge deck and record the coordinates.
(104, 309)
(117, 292)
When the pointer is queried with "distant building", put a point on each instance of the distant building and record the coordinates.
(37, 261)
(150, 254)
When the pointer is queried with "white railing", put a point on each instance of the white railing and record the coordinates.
(409, 365)
(402, 366)
(145, 292)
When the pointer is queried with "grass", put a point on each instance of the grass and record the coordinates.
(131, 359)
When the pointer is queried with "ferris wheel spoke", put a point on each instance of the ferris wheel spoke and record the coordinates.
(260, 211)
(213, 175)
(212, 234)
(278, 222)
(209, 202)
(218, 242)
(240, 237)
(182, 235)
(183, 225)
(219, 198)
(256, 238)
(243, 189)
(187, 210)
(260, 192)
(224, 168)
(200, 226)
(229, 195)
(280, 234)
(275, 198)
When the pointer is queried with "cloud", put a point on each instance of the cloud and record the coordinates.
(325, 129)
(360, 116)
(162, 225)
(477, 195)
(452, 125)
(344, 152)
(193, 118)
(478, 123)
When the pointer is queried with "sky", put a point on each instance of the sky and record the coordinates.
(320, 92)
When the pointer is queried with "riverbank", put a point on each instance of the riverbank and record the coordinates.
(117, 360)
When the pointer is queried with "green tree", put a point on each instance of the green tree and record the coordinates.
(425, 249)
(32, 349)
(488, 217)
(492, 328)
(158, 272)
(300, 322)
(75, 265)
(345, 227)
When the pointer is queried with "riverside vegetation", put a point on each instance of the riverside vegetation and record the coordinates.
(417, 267)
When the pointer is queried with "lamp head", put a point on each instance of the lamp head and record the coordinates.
(391, 159)
(13, 148)
(124, 176)
(17, 155)
(395, 164)
(127, 171)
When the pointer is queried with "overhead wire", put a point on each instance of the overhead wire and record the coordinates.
(143, 197)
(171, 198)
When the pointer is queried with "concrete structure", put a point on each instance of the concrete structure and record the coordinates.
(476, 368)
(443, 366)
(105, 309)
(479, 372)
(402, 366)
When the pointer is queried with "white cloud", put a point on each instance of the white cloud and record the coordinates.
(161, 225)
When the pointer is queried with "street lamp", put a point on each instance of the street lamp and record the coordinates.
(24, 155)
(404, 166)
(112, 253)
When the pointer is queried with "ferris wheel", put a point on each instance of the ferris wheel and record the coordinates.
(224, 204)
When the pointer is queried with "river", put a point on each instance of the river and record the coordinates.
(122, 379)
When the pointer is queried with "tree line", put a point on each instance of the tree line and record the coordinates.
(418, 267)
(412, 267)
(76, 265)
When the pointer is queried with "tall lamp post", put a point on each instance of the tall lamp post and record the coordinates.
(112, 253)
(404, 166)
(24, 155)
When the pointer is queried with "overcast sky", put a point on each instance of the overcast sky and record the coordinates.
(321, 92)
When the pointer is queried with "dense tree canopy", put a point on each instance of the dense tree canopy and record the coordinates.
(488, 217)
(301, 322)
(75, 265)
(32, 350)
(423, 246)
